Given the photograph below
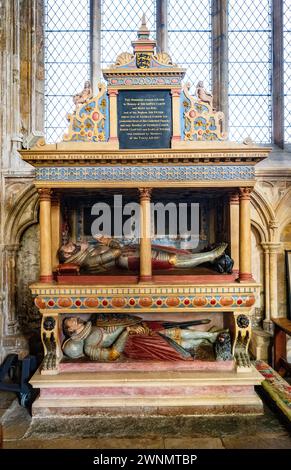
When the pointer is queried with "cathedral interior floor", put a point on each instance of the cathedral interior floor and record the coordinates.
(267, 431)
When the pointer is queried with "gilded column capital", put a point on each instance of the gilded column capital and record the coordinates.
(234, 198)
(55, 197)
(45, 194)
(176, 92)
(145, 194)
(245, 193)
(112, 92)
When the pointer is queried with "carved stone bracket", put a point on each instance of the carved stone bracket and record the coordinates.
(51, 344)
(241, 340)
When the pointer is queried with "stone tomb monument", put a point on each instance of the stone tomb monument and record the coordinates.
(145, 319)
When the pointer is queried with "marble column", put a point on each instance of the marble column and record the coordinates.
(55, 227)
(176, 92)
(145, 235)
(245, 249)
(234, 230)
(45, 235)
(113, 115)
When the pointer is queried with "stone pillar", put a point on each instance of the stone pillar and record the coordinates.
(176, 92)
(55, 227)
(145, 247)
(10, 283)
(267, 319)
(273, 250)
(113, 137)
(245, 249)
(271, 300)
(13, 341)
(220, 56)
(45, 235)
(234, 230)
(95, 44)
(162, 25)
(16, 137)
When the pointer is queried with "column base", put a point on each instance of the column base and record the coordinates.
(148, 279)
(46, 278)
(176, 138)
(245, 277)
(268, 326)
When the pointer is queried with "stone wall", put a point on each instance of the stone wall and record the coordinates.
(282, 290)
(27, 272)
(21, 115)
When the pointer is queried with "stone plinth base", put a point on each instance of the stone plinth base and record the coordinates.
(261, 344)
(147, 393)
(146, 366)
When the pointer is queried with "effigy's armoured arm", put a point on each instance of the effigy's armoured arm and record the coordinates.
(98, 353)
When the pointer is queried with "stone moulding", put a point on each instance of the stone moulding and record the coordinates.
(146, 173)
(140, 298)
(51, 155)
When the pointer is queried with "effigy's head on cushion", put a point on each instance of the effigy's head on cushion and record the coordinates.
(72, 325)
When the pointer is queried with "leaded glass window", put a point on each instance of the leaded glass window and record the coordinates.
(249, 40)
(119, 25)
(287, 70)
(189, 27)
(67, 33)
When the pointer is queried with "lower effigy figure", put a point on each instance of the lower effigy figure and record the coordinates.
(115, 335)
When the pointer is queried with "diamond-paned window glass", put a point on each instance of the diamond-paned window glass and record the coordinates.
(249, 40)
(189, 29)
(67, 33)
(287, 70)
(119, 25)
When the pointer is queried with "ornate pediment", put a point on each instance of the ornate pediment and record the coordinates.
(144, 104)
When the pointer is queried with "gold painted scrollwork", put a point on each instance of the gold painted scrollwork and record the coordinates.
(163, 58)
(123, 59)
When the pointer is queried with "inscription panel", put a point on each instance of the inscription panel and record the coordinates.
(144, 119)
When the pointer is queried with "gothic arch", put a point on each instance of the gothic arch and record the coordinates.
(260, 230)
(265, 215)
(22, 211)
(283, 212)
